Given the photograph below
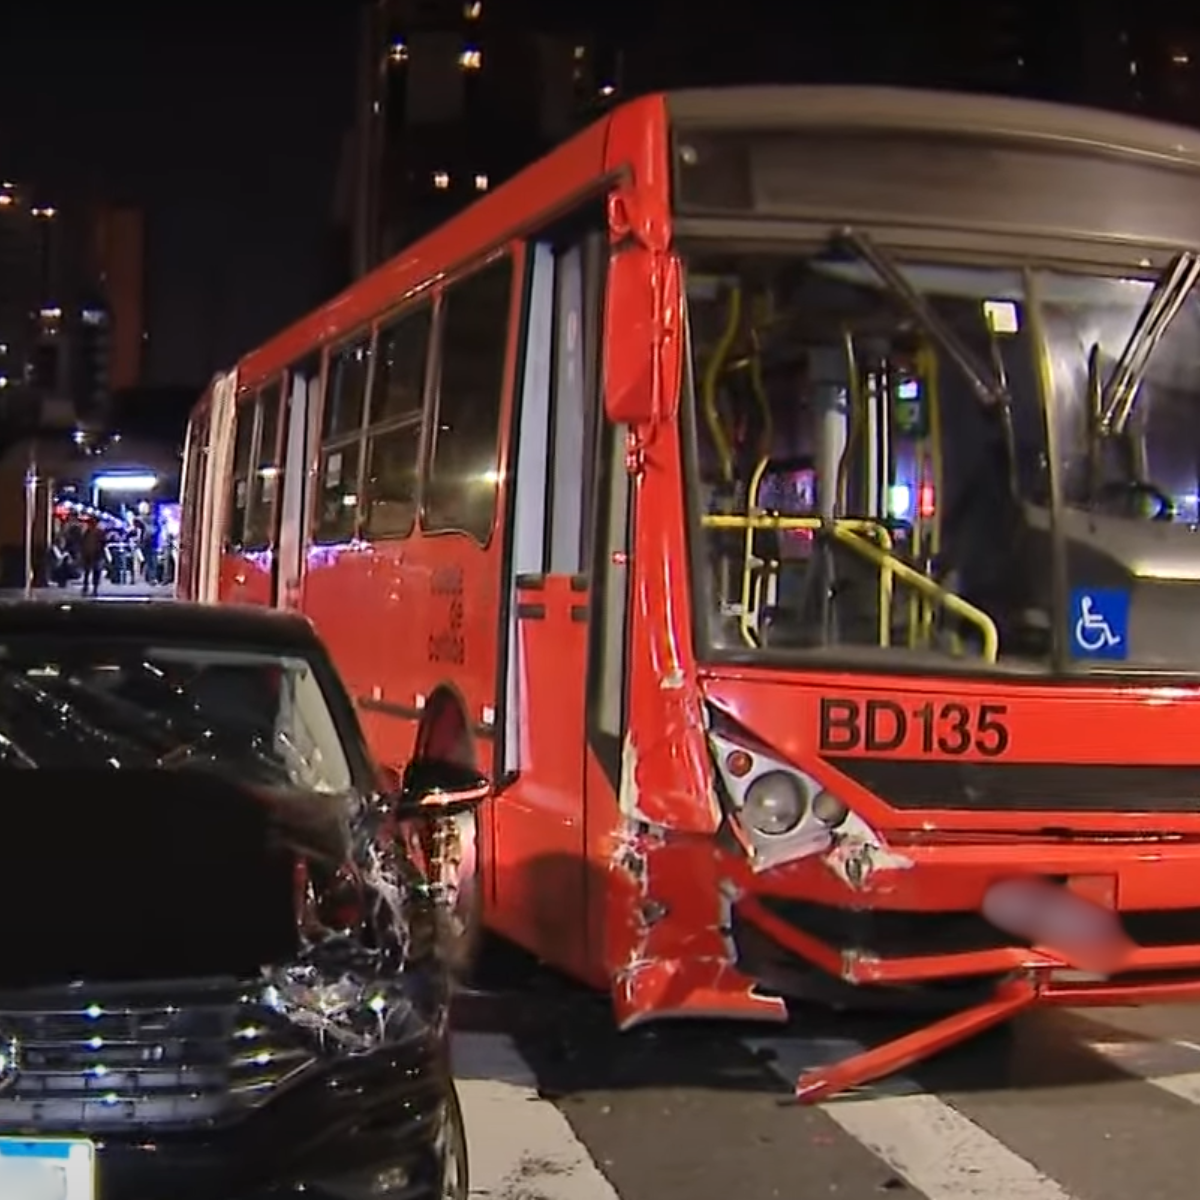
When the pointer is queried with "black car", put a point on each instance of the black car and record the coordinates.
(223, 970)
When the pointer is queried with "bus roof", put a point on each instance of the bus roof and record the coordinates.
(879, 109)
(570, 171)
(549, 185)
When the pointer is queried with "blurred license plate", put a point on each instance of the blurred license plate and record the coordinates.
(44, 1169)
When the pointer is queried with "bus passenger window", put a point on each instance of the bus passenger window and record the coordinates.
(264, 482)
(346, 390)
(394, 430)
(400, 356)
(341, 443)
(239, 490)
(464, 446)
(390, 499)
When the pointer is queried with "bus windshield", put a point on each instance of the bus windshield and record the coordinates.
(876, 448)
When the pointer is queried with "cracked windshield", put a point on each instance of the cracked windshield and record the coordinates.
(254, 718)
(876, 445)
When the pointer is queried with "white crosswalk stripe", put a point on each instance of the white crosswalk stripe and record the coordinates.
(934, 1148)
(519, 1145)
(1153, 1062)
(523, 1147)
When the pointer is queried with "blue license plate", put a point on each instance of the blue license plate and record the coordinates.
(47, 1169)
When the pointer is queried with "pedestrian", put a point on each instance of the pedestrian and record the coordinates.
(92, 555)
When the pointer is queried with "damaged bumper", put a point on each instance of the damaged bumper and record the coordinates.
(714, 936)
(928, 923)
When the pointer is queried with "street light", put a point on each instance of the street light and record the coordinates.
(132, 482)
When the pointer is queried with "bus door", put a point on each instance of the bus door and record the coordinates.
(195, 458)
(539, 830)
(248, 566)
(304, 383)
(216, 469)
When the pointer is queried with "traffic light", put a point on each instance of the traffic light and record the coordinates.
(93, 359)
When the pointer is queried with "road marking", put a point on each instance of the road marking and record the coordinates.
(518, 1144)
(931, 1145)
(1156, 1063)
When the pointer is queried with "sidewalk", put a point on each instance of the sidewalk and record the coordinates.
(108, 591)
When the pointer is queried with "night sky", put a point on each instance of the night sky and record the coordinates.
(227, 129)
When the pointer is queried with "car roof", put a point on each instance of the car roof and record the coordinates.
(169, 620)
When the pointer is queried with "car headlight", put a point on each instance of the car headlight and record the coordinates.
(774, 804)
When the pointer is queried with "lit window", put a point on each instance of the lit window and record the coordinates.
(580, 51)
(472, 10)
(470, 60)
(441, 180)
(481, 183)
(399, 52)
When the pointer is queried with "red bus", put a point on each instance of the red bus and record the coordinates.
(789, 497)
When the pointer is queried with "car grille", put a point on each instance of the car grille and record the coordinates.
(152, 1056)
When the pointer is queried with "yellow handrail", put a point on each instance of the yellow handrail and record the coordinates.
(850, 531)
(712, 376)
(756, 521)
(922, 583)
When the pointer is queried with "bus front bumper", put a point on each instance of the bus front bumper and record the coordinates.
(924, 921)
(912, 935)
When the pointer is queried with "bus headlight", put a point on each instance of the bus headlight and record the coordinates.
(829, 810)
(774, 804)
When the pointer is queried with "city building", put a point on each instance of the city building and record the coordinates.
(29, 260)
(71, 309)
(1102, 53)
(454, 97)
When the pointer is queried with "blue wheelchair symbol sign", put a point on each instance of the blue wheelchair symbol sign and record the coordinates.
(1100, 623)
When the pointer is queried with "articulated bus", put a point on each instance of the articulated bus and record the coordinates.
(789, 497)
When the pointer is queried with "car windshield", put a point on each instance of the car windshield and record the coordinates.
(255, 716)
(872, 469)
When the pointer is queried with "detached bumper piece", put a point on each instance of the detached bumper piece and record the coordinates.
(935, 962)
(859, 1069)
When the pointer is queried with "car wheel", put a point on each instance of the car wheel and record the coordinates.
(456, 1184)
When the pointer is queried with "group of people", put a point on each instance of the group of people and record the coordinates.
(85, 549)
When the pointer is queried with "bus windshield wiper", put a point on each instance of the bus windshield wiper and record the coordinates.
(983, 381)
(1162, 306)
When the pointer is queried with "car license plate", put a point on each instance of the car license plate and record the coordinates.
(47, 1169)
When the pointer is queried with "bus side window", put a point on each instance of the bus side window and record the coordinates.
(239, 489)
(394, 425)
(460, 490)
(336, 518)
(264, 482)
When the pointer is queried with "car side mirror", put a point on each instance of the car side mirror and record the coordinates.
(431, 788)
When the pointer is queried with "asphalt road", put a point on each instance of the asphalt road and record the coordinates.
(1099, 1105)
(108, 591)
